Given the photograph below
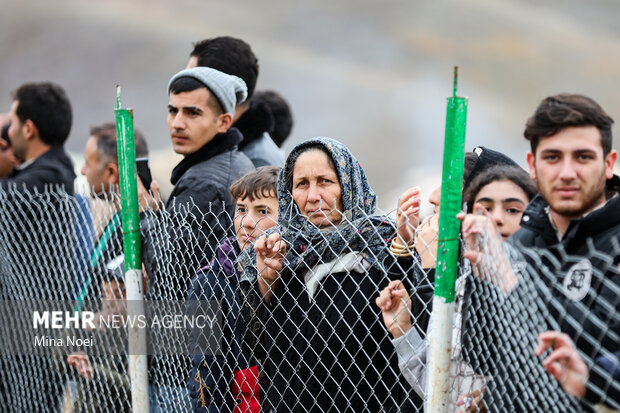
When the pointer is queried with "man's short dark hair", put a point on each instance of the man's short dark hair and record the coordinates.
(260, 183)
(48, 107)
(281, 111)
(566, 110)
(105, 134)
(188, 84)
(229, 55)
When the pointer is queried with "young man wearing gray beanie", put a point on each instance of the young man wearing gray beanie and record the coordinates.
(201, 107)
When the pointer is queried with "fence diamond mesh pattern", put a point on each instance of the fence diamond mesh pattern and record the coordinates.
(312, 341)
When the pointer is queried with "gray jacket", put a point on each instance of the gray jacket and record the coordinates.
(255, 124)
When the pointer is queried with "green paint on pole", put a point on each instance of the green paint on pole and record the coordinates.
(129, 187)
(451, 195)
(95, 256)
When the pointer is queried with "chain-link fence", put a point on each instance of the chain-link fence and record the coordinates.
(226, 334)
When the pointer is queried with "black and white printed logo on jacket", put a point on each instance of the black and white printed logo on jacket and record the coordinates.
(578, 279)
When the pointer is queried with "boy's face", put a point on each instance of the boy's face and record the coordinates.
(253, 218)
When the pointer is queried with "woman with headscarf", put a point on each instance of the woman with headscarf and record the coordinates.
(318, 274)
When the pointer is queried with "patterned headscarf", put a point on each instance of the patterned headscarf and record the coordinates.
(358, 231)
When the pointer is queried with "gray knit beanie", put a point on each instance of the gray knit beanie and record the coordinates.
(229, 90)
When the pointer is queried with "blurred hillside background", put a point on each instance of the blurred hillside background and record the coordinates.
(372, 74)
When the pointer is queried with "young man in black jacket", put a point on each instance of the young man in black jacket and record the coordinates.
(577, 213)
(570, 234)
(200, 112)
(200, 209)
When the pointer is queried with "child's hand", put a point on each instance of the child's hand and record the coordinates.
(81, 363)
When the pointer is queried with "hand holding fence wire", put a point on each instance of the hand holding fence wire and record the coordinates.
(408, 215)
(395, 305)
(81, 364)
(485, 250)
(564, 363)
(473, 402)
(270, 251)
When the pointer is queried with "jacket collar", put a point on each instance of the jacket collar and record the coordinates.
(254, 122)
(537, 220)
(222, 142)
(53, 155)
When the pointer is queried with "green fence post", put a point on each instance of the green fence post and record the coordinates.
(438, 392)
(130, 216)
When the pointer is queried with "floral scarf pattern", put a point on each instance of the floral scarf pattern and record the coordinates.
(359, 230)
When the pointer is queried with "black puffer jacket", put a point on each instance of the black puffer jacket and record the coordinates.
(200, 209)
(579, 275)
(582, 273)
(176, 244)
(569, 285)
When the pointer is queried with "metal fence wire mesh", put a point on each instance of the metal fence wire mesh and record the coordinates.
(315, 342)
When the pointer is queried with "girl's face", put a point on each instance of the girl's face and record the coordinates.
(316, 189)
(504, 202)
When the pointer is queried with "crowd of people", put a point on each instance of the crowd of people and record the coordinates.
(325, 302)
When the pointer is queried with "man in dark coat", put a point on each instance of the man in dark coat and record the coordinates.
(33, 226)
(103, 176)
(200, 113)
(570, 232)
(253, 119)
(577, 213)
(40, 123)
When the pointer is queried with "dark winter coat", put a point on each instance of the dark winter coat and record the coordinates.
(202, 184)
(330, 352)
(35, 229)
(598, 231)
(568, 285)
(54, 167)
(200, 213)
(201, 209)
(211, 377)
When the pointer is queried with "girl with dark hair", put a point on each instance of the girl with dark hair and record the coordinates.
(495, 183)
(504, 192)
